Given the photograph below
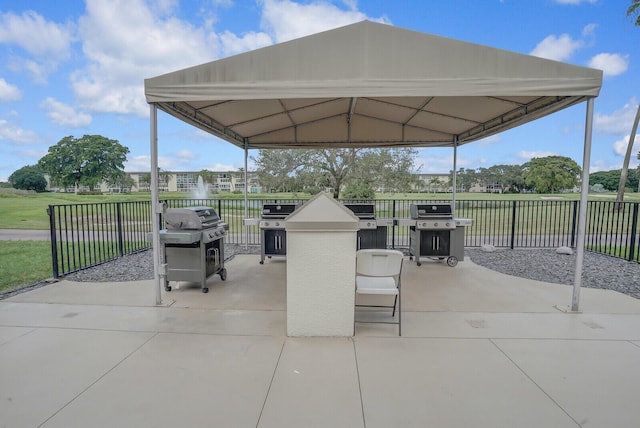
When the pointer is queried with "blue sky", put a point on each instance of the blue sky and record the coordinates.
(78, 67)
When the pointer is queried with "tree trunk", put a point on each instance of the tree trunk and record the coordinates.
(627, 158)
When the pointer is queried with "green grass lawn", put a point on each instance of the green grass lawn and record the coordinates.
(23, 263)
(29, 211)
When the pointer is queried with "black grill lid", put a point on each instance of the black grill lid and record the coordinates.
(419, 211)
(278, 210)
(365, 211)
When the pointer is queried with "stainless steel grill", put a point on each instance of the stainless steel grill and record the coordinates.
(372, 232)
(193, 245)
(273, 236)
(436, 234)
(432, 216)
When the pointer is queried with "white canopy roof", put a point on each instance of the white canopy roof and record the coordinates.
(367, 85)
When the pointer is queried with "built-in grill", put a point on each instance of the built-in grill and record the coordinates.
(273, 236)
(193, 245)
(435, 233)
(372, 233)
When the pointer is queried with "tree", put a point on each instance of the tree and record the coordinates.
(465, 179)
(362, 170)
(627, 158)
(28, 178)
(551, 174)
(84, 161)
(508, 177)
(610, 180)
(276, 169)
(634, 9)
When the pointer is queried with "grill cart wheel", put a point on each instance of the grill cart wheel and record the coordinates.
(205, 290)
(452, 261)
(261, 262)
(167, 288)
(223, 274)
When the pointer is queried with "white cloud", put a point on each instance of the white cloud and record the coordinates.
(35, 34)
(589, 30)
(493, 139)
(64, 115)
(15, 134)
(9, 92)
(610, 64)
(619, 122)
(185, 155)
(125, 42)
(48, 42)
(231, 44)
(558, 48)
(620, 146)
(287, 20)
(439, 164)
(221, 167)
(527, 155)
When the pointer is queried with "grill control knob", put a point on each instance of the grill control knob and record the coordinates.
(266, 223)
(277, 224)
(435, 224)
(447, 224)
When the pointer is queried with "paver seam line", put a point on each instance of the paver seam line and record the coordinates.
(126, 357)
(355, 355)
(534, 382)
(273, 375)
(31, 330)
(566, 339)
(634, 344)
(145, 331)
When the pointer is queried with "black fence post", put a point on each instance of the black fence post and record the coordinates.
(54, 242)
(574, 224)
(513, 223)
(393, 228)
(119, 231)
(632, 239)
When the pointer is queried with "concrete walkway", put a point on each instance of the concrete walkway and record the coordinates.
(24, 235)
(478, 349)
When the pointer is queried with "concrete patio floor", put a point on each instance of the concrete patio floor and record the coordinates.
(478, 349)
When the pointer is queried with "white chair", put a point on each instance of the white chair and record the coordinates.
(378, 273)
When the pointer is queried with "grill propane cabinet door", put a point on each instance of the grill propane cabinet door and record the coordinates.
(435, 243)
(275, 242)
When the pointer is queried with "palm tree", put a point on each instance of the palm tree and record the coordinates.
(634, 9)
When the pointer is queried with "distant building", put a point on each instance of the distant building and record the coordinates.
(432, 183)
(183, 181)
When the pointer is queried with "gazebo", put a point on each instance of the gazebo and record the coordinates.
(371, 85)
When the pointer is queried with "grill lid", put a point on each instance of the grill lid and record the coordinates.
(428, 211)
(278, 210)
(194, 218)
(363, 211)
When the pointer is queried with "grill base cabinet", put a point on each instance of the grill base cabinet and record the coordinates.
(194, 262)
(441, 244)
(372, 238)
(274, 243)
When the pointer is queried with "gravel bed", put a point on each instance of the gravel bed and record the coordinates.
(599, 271)
(139, 266)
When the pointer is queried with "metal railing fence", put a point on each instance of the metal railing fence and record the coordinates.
(85, 235)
